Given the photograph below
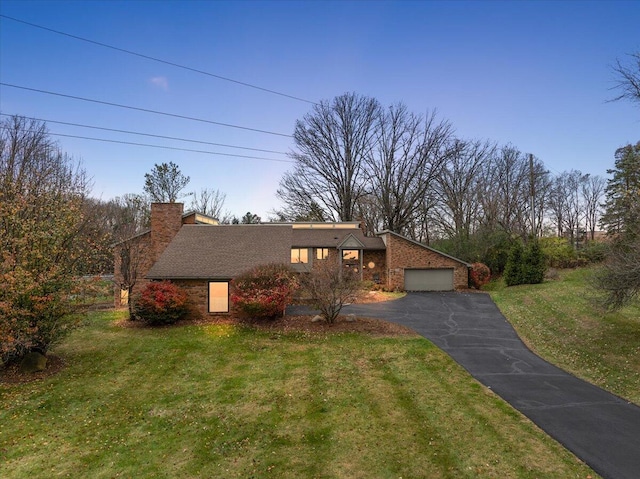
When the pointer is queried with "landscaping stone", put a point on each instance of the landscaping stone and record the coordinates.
(317, 318)
(33, 362)
(350, 318)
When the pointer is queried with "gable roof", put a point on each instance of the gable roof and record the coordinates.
(222, 251)
(351, 242)
(380, 233)
(332, 238)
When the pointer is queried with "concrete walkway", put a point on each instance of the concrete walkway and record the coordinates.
(600, 428)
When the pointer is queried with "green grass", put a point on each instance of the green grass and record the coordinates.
(226, 401)
(559, 321)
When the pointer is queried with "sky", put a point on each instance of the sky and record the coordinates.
(536, 75)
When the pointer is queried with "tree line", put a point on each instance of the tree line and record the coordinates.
(354, 160)
(389, 168)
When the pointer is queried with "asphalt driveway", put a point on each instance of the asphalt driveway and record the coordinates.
(600, 428)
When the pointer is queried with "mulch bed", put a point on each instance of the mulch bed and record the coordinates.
(12, 375)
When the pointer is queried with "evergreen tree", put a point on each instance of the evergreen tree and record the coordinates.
(622, 204)
(534, 264)
(514, 269)
(617, 282)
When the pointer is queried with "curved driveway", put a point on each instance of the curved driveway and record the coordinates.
(600, 428)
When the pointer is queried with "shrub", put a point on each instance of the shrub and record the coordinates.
(330, 287)
(160, 303)
(525, 266)
(559, 253)
(594, 252)
(535, 265)
(514, 270)
(33, 315)
(479, 275)
(264, 291)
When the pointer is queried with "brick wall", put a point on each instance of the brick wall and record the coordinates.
(379, 269)
(197, 292)
(402, 253)
(166, 221)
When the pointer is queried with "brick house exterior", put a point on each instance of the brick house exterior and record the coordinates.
(201, 256)
(403, 254)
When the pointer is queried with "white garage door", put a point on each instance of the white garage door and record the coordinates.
(428, 279)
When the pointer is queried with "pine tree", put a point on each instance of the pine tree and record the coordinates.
(622, 204)
(534, 263)
(514, 271)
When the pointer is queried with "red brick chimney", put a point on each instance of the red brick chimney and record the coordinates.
(166, 221)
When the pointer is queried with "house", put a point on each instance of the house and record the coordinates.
(201, 256)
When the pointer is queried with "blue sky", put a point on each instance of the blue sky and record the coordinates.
(534, 74)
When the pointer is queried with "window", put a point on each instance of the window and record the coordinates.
(350, 254)
(219, 297)
(322, 253)
(124, 296)
(299, 255)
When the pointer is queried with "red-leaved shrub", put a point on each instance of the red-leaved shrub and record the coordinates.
(480, 274)
(160, 303)
(264, 291)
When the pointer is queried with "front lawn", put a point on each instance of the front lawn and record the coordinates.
(220, 400)
(558, 320)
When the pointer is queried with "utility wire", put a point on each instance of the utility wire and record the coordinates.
(163, 147)
(150, 135)
(174, 115)
(166, 62)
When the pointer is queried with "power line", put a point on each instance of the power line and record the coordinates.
(151, 135)
(163, 147)
(166, 62)
(145, 110)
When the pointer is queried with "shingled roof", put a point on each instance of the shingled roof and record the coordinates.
(331, 238)
(221, 252)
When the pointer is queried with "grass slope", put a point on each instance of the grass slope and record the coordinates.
(558, 320)
(225, 401)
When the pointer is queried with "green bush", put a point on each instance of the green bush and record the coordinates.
(525, 266)
(514, 269)
(535, 265)
(594, 252)
(264, 291)
(160, 303)
(559, 253)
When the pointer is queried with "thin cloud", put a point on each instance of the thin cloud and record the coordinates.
(160, 82)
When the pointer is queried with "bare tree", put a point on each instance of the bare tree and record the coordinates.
(208, 202)
(628, 79)
(330, 287)
(592, 193)
(409, 155)
(506, 192)
(301, 211)
(165, 183)
(567, 205)
(332, 144)
(459, 185)
(132, 243)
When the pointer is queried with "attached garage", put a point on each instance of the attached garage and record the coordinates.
(440, 279)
